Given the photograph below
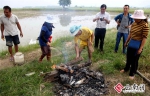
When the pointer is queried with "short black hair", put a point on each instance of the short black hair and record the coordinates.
(7, 7)
(127, 5)
(103, 5)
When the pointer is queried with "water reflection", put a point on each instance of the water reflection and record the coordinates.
(31, 26)
(65, 19)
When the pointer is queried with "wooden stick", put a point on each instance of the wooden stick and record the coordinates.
(53, 75)
(140, 74)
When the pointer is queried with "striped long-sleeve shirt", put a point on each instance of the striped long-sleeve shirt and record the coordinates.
(139, 30)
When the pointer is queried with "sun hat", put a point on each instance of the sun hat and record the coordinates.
(138, 14)
(50, 19)
(74, 29)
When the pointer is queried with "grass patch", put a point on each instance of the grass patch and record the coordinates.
(15, 83)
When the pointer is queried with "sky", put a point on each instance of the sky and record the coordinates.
(95, 3)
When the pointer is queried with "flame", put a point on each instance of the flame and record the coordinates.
(53, 67)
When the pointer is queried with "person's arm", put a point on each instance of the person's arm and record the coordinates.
(142, 45)
(2, 31)
(107, 20)
(96, 18)
(77, 50)
(127, 41)
(144, 35)
(92, 37)
(43, 38)
(117, 19)
(76, 47)
(19, 27)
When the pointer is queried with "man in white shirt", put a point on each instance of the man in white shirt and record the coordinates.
(102, 18)
(9, 23)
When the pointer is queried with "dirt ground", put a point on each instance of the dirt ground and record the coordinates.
(29, 56)
(5, 63)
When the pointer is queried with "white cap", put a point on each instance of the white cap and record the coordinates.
(50, 19)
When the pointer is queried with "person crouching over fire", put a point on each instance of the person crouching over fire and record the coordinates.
(86, 37)
(45, 38)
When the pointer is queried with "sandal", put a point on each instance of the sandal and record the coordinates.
(11, 59)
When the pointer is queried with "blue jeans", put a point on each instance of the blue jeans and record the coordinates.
(118, 38)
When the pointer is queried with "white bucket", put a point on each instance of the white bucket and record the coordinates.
(19, 58)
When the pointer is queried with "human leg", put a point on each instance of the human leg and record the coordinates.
(44, 53)
(118, 38)
(102, 37)
(125, 36)
(96, 38)
(49, 53)
(9, 43)
(129, 58)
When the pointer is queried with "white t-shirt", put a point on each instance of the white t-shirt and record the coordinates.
(102, 24)
(10, 26)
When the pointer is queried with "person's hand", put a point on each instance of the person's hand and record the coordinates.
(125, 45)
(118, 23)
(126, 26)
(2, 37)
(139, 51)
(104, 19)
(48, 43)
(21, 34)
(97, 18)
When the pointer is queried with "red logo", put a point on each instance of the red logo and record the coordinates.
(118, 87)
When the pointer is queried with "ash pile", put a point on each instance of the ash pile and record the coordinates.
(78, 80)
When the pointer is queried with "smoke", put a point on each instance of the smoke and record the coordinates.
(64, 52)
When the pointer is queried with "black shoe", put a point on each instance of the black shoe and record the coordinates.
(115, 51)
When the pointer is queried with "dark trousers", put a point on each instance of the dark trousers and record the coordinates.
(118, 38)
(12, 39)
(45, 52)
(100, 35)
(132, 61)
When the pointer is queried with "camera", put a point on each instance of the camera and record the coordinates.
(101, 19)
